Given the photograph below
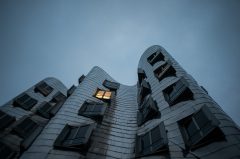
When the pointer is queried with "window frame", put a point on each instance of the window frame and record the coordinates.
(18, 102)
(10, 152)
(82, 147)
(103, 95)
(178, 92)
(143, 91)
(96, 115)
(5, 120)
(71, 90)
(27, 133)
(141, 75)
(155, 57)
(147, 111)
(43, 88)
(161, 148)
(213, 134)
(58, 96)
(111, 85)
(164, 71)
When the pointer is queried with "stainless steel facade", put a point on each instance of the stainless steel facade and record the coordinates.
(119, 134)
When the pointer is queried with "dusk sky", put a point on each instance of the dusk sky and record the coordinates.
(66, 38)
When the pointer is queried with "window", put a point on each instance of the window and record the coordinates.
(200, 128)
(74, 138)
(5, 120)
(27, 129)
(111, 85)
(144, 90)
(102, 94)
(25, 101)
(81, 79)
(43, 88)
(93, 110)
(141, 75)
(155, 57)
(71, 90)
(6, 152)
(59, 97)
(166, 70)
(152, 142)
(147, 111)
(177, 92)
(49, 109)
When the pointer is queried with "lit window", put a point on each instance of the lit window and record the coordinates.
(101, 94)
(107, 95)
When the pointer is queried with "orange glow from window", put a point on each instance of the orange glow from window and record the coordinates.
(103, 94)
(107, 95)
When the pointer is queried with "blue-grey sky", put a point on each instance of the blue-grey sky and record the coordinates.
(65, 39)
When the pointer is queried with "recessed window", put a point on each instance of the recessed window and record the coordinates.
(81, 79)
(71, 90)
(141, 75)
(143, 91)
(24, 101)
(111, 85)
(177, 92)
(152, 142)
(5, 120)
(200, 129)
(166, 70)
(59, 97)
(49, 109)
(102, 94)
(28, 129)
(147, 111)
(155, 57)
(6, 152)
(93, 110)
(74, 138)
(43, 88)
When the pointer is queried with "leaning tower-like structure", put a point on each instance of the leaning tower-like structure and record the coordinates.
(165, 115)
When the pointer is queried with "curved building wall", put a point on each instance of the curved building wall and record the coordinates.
(119, 134)
(170, 115)
(113, 138)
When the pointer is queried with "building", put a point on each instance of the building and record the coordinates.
(165, 115)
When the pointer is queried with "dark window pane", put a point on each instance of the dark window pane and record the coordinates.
(191, 129)
(5, 151)
(5, 120)
(25, 128)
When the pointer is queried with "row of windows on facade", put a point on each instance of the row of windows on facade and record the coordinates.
(196, 129)
(29, 128)
(173, 94)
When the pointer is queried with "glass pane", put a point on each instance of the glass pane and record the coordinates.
(191, 129)
(99, 94)
(24, 98)
(107, 95)
(155, 134)
(201, 119)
